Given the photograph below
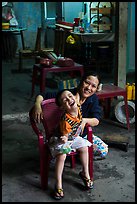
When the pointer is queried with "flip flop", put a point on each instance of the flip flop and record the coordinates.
(57, 193)
(87, 182)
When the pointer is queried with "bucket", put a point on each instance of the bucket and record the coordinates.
(76, 21)
(103, 51)
(120, 112)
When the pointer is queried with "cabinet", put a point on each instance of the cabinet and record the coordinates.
(101, 16)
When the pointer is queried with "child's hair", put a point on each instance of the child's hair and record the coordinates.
(58, 96)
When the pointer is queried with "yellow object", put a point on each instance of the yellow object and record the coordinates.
(5, 25)
(133, 91)
(127, 85)
(129, 92)
(70, 39)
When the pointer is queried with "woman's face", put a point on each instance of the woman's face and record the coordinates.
(89, 86)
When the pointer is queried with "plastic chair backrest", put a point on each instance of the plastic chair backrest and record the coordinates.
(52, 114)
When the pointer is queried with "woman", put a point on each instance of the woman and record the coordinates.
(91, 111)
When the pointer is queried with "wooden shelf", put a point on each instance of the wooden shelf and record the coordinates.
(103, 14)
(64, 26)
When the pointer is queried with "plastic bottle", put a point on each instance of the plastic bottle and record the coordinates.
(66, 148)
(133, 91)
(127, 85)
(129, 92)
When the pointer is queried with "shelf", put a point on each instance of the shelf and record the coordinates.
(105, 10)
(64, 26)
(101, 17)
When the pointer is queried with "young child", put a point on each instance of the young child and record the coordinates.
(71, 128)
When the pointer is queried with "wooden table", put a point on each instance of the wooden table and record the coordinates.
(7, 43)
(110, 91)
(44, 71)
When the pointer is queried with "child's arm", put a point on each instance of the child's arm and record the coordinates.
(83, 124)
(65, 129)
(64, 138)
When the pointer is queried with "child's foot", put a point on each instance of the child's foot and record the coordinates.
(58, 193)
(87, 182)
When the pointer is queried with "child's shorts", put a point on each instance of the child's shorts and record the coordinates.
(57, 147)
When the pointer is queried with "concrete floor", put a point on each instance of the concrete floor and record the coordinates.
(114, 177)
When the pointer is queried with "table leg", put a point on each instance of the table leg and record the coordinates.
(126, 110)
(20, 61)
(107, 105)
(43, 74)
(34, 76)
(22, 40)
(81, 72)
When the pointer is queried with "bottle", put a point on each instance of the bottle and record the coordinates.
(65, 149)
(129, 92)
(127, 85)
(133, 91)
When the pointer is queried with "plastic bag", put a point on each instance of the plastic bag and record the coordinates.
(100, 148)
(70, 40)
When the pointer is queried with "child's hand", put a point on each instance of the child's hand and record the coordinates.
(64, 138)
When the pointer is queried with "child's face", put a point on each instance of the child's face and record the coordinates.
(68, 101)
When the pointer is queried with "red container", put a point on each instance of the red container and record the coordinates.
(76, 21)
(45, 62)
(65, 62)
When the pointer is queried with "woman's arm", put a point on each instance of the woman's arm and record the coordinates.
(37, 110)
(92, 112)
(91, 121)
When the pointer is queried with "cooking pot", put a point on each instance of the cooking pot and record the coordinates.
(65, 62)
(45, 62)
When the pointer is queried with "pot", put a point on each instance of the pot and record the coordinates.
(65, 62)
(45, 62)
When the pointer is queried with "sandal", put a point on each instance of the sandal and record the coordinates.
(87, 182)
(58, 193)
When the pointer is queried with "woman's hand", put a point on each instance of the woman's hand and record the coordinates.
(91, 121)
(37, 113)
(37, 110)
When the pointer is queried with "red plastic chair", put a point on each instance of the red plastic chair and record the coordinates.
(52, 114)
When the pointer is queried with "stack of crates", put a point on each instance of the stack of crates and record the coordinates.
(68, 84)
